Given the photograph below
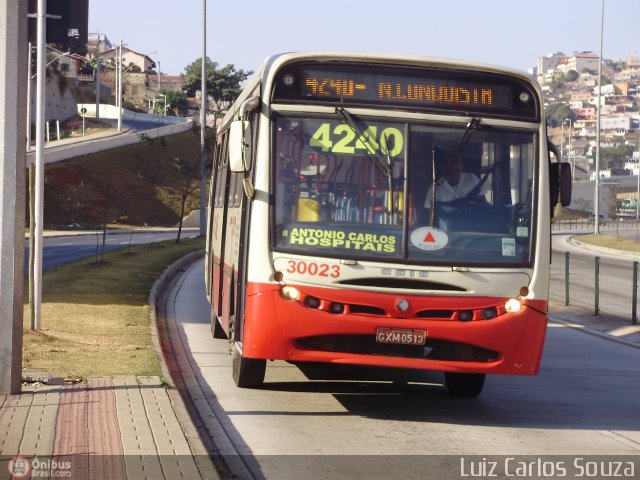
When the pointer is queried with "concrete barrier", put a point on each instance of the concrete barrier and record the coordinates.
(111, 112)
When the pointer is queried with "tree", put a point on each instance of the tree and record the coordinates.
(223, 84)
(571, 76)
(557, 113)
(615, 157)
(176, 100)
(188, 179)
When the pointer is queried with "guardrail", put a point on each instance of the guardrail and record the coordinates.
(606, 286)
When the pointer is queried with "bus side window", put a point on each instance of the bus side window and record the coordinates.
(220, 177)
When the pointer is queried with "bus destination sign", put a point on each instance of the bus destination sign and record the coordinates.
(321, 85)
(385, 85)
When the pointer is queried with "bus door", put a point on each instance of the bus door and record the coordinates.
(219, 229)
(229, 261)
(236, 235)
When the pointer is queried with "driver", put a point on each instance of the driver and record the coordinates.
(456, 184)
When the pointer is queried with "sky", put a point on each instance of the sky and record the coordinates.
(511, 33)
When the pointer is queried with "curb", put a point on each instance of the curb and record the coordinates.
(613, 252)
(191, 433)
(589, 331)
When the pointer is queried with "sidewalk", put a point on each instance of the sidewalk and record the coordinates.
(116, 428)
(608, 327)
(90, 134)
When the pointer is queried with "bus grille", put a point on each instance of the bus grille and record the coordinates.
(366, 345)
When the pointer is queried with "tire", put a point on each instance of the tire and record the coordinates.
(466, 385)
(248, 372)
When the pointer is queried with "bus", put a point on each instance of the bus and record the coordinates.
(339, 229)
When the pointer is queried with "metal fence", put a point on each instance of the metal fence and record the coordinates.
(607, 287)
(610, 225)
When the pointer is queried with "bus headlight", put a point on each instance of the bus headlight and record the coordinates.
(513, 306)
(290, 293)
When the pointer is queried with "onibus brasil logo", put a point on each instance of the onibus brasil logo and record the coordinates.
(21, 467)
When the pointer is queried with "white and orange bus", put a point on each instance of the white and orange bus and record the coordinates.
(384, 211)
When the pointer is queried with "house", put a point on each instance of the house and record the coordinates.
(169, 82)
(129, 58)
(67, 63)
(588, 113)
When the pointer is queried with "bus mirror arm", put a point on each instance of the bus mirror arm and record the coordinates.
(249, 105)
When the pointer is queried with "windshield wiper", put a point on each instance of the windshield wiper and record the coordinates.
(384, 170)
(432, 213)
(457, 148)
(455, 151)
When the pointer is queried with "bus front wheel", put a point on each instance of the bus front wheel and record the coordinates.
(464, 384)
(248, 372)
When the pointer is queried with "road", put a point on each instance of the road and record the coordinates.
(135, 125)
(64, 249)
(304, 426)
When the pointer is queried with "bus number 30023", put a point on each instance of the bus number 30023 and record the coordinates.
(312, 268)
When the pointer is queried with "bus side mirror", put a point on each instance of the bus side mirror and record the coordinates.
(560, 183)
(237, 146)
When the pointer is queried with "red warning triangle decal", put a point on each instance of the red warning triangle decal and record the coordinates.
(429, 238)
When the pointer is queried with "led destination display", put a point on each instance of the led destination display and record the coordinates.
(397, 86)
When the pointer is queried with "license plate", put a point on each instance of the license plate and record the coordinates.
(401, 336)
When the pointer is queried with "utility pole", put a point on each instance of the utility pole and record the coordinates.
(203, 124)
(29, 75)
(119, 89)
(13, 38)
(32, 185)
(596, 209)
(39, 161)
(97, 79)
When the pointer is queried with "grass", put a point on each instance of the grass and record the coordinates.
(95, 316)
(134, 185)
(611, 241)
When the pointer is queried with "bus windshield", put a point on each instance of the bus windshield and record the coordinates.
(421, 193)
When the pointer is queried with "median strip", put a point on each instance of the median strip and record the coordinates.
(95, 315)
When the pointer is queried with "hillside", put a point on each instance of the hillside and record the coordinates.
(136, 185)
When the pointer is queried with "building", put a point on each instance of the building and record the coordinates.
(633, 62)
(583, 61)
(550, 62)
(129, 58)
(169, 82)
(618, 123)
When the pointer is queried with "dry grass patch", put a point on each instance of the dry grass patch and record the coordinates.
(95, 316)
(610, 241)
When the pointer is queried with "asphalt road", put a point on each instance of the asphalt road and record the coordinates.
(348, 424)
(64, 249)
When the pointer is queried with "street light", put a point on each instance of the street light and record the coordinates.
(97, 72)
(29, 78)
(203, 122)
